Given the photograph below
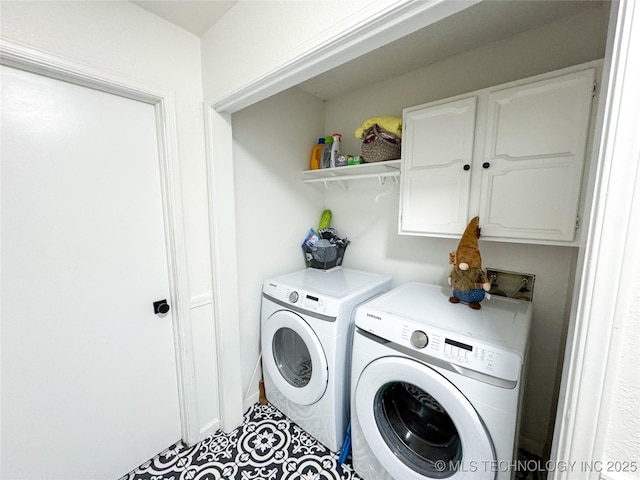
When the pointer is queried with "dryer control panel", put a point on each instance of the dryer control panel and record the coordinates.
(312, 303)
(456, 349)
(300, 299)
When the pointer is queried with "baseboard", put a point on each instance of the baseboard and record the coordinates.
(250, 400)
(210, 428)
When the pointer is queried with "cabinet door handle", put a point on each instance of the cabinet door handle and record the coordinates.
(466, 167)
(486, 165)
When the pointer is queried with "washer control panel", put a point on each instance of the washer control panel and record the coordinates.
(451, 347)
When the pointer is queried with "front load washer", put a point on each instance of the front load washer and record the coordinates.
(307, 329)
(437, 387)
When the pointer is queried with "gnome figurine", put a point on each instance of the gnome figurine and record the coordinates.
(467, 279)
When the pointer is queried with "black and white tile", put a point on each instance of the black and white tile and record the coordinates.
(267, 446)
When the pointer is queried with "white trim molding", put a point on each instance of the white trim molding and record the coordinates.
(210, 428)
(222, 223)
(35, 61)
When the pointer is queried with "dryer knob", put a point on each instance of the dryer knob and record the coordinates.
(293, 297)
(419, 339)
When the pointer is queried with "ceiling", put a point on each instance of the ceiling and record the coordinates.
(476, 26)
(195, 16)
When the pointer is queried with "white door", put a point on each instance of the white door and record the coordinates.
(418, 424)
(437, 155)
(89, 384)
(535, 152)
(294, 358)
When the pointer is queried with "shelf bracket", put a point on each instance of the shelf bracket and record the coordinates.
(382, 179)
(389, 190)
(327, 183)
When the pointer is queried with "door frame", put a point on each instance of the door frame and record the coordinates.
(41, 63)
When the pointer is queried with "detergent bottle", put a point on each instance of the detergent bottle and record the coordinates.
(326, 152)
(335, 148)
(316, 155)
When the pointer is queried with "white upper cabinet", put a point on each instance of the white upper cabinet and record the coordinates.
(437, 167)
(518, 163)
(536, 138)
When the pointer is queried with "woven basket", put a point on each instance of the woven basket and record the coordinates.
(379, 145)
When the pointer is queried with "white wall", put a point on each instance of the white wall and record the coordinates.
(274, 210)
(125, 40)
(622, 436)
(372, 227)
(263, 34)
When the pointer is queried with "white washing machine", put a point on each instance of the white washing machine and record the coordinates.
(437, 387)
(307, 330)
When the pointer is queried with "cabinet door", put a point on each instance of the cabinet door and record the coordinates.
(534, 155)
(436, 168)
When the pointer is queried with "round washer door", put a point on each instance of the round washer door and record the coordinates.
(419, 425)
(294, 358)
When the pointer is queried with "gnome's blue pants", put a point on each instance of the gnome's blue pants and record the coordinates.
(473, 295)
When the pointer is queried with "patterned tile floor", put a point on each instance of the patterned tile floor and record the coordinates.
(267, 446)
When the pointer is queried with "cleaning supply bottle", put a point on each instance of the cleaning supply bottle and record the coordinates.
(335, 148)
(326, 152)
(316, 155)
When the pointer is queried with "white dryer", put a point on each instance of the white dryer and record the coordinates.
(436, 387)
(307, 330)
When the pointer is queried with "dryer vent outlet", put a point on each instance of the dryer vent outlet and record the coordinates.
(511, 284)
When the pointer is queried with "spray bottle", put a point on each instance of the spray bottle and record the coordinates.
(335, 148)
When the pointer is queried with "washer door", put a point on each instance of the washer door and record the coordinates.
(419, 425)
(294, 357)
